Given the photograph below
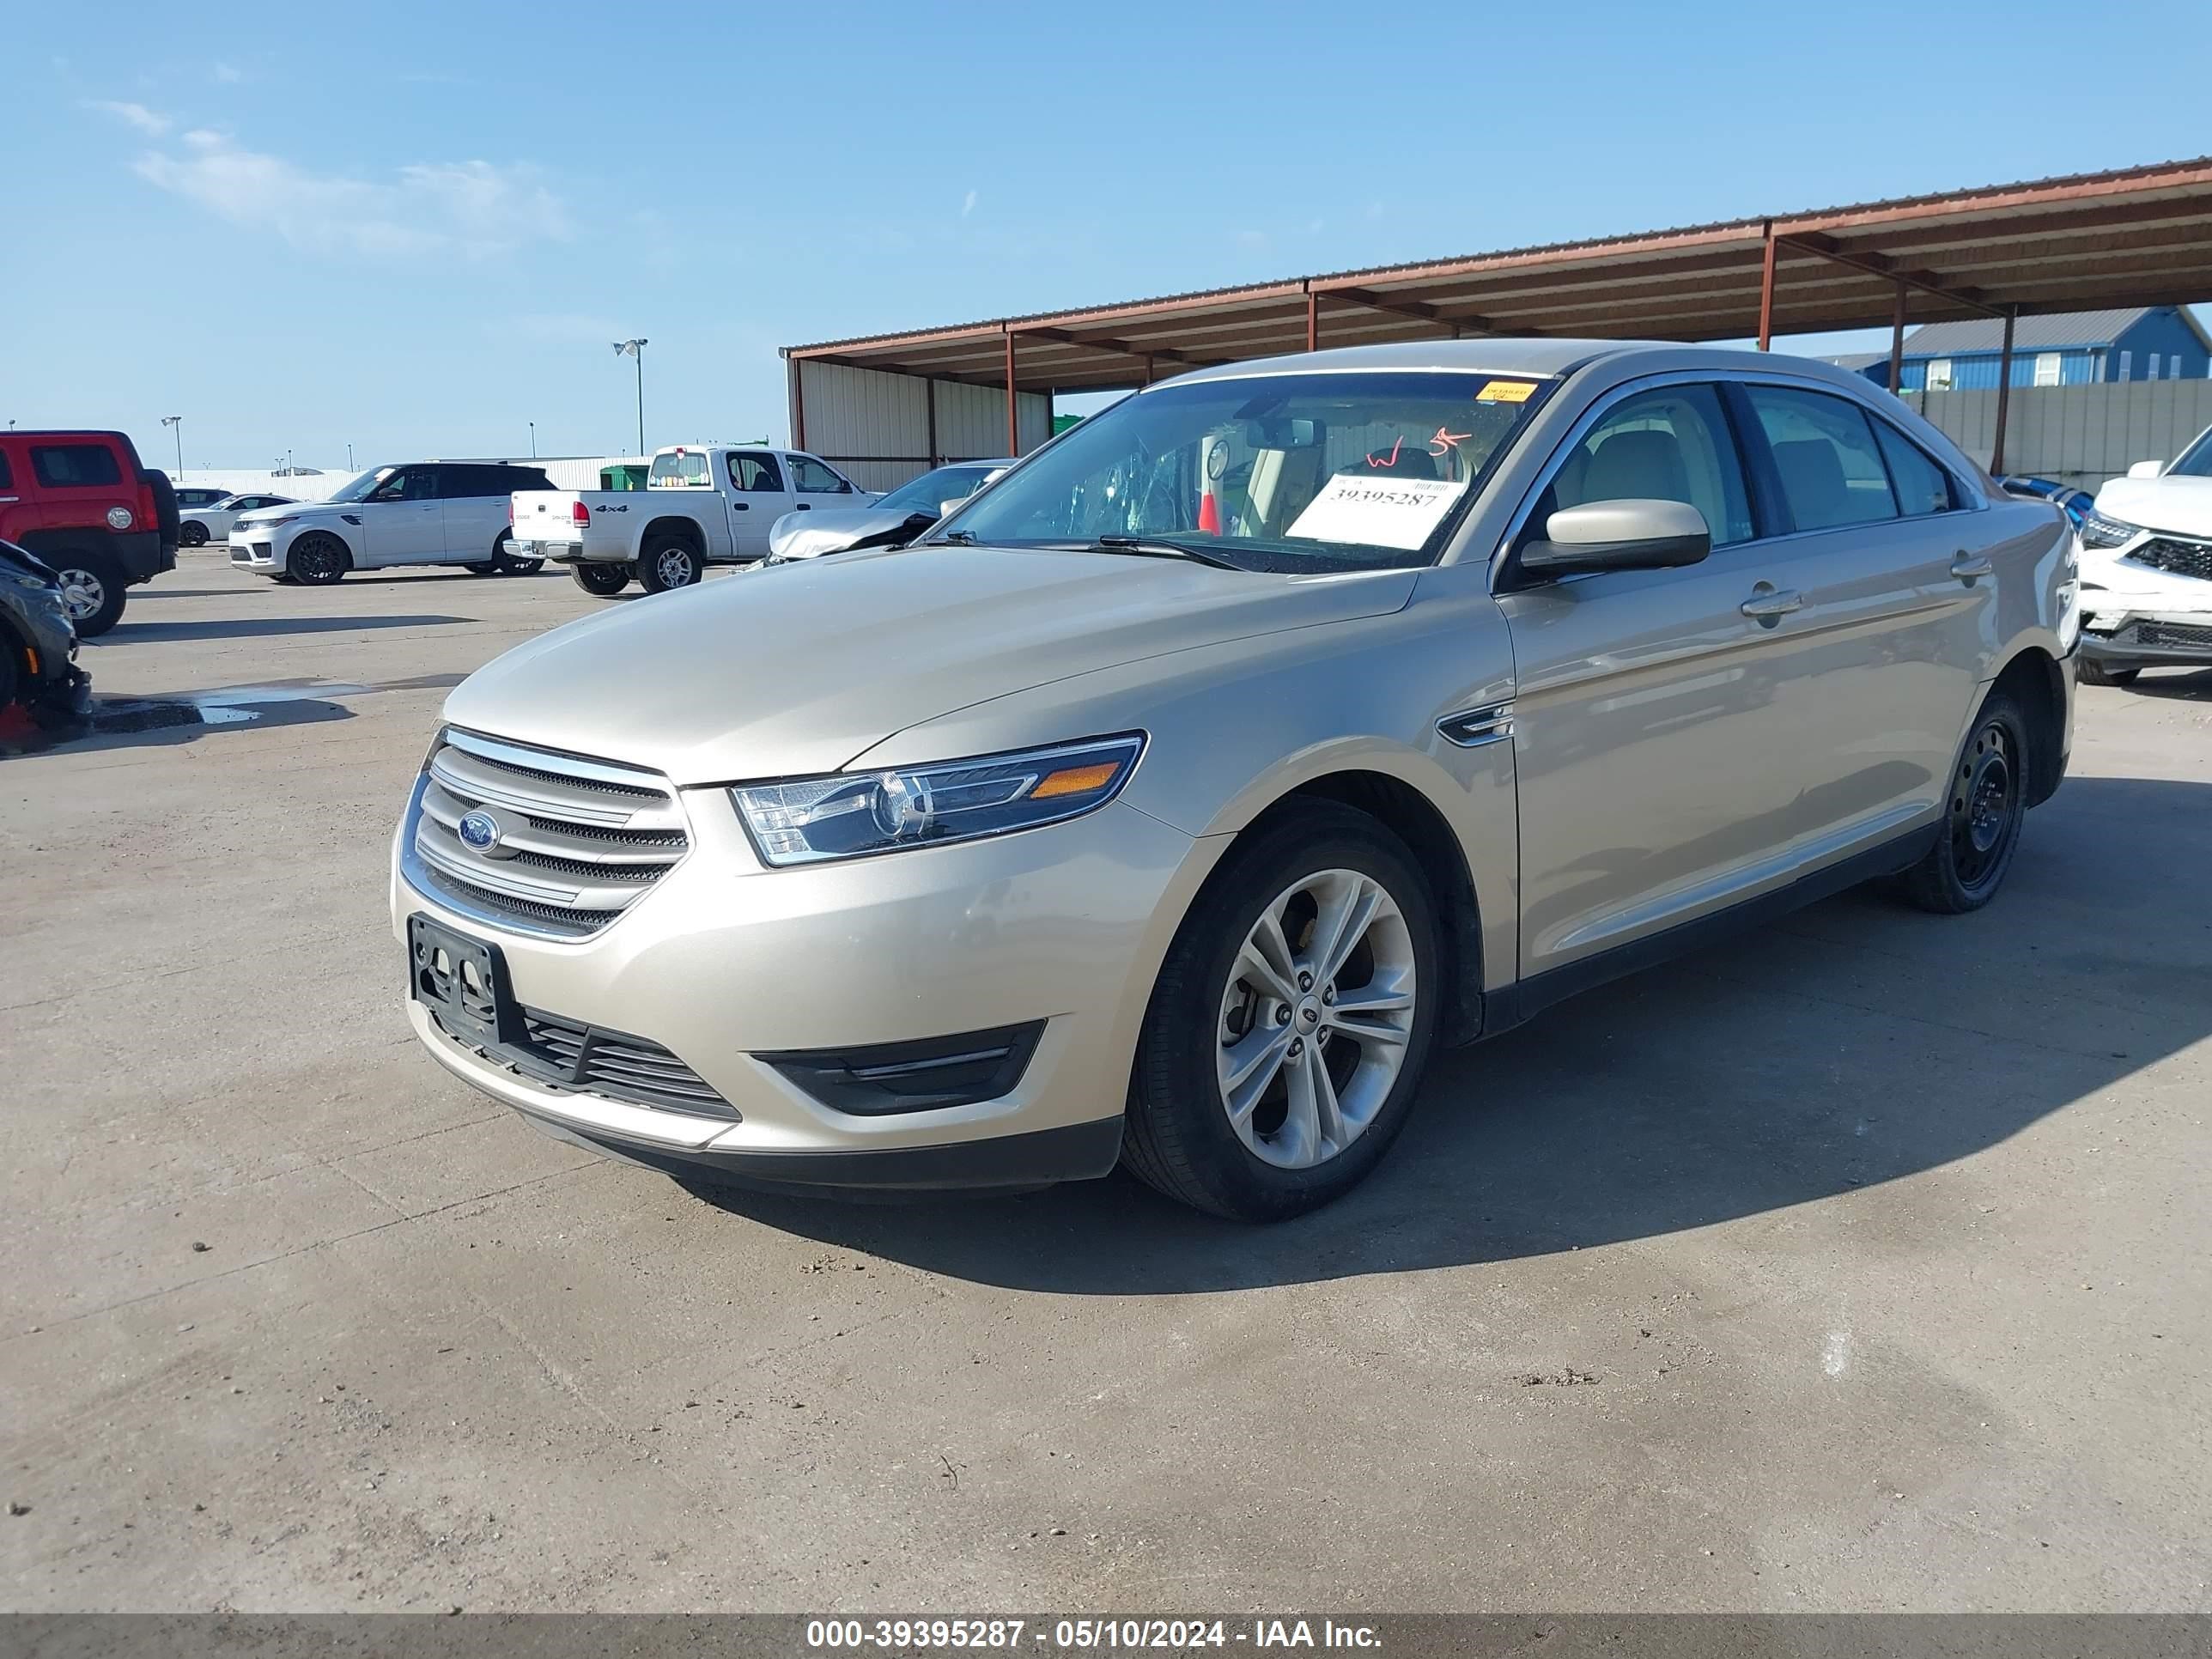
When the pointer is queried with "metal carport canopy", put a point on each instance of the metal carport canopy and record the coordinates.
(2137, 236)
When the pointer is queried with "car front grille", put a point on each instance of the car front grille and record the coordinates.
(2175, 555)
(574, 842)
(2183, 635)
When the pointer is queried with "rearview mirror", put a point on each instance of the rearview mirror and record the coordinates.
(1279, 433)
(2146, 469)
(1623, 535)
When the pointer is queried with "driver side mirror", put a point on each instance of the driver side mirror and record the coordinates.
(1630, 534)
(946, 507)
(2146, 469)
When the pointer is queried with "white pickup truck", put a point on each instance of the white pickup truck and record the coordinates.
(703, 504)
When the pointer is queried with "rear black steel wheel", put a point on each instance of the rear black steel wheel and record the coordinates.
(1983, 812)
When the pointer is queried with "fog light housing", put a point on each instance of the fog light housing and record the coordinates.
(926, 1075)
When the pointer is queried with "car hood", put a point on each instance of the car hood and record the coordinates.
(2181, 504)
(806, 535)
(780, 673)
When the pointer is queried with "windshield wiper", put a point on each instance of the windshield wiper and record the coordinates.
(1152, 547)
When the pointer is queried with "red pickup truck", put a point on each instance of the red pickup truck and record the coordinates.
(84, 505)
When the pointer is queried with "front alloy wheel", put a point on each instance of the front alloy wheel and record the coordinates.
(1315, 1019)
(1291, 1020)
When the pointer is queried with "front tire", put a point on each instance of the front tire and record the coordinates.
(317, 559)
(1291, 1023)
(1982, 812)
(668, 562)
(601, 581)
(91, 591)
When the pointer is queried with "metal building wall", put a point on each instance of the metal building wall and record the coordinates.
(2077, 434)
(875, 427)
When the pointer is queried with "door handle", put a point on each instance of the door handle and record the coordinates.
(1770, 606)
(1966, 566)
(803, 507)
(741, 507)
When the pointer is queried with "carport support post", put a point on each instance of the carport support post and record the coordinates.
(1766, 292)
(929, 396)
(2004, 391)
(1013, 408)
(1897, 343)
(1313, 320)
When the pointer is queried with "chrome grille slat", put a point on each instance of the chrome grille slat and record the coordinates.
(578, 840)
(652, 852)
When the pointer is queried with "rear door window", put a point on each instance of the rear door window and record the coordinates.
(1922, 486)
(7, 472)
(1671, 444)
(810, 478)
(1824, 458)
(75, 466)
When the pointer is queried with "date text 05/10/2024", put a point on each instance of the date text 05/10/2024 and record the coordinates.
(1084, 1635)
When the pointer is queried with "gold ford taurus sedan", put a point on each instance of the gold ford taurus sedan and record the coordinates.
(1183, 790)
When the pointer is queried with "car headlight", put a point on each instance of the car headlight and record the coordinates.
(853, 814)
(2099, 531)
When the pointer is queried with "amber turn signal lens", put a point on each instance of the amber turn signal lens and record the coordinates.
(1075, 781)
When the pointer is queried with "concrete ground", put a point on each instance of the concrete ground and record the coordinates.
(1862, 1263)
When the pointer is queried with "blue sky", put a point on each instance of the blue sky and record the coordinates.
(417, 228)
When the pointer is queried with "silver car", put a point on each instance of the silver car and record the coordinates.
(1175, 799)
(891, 521)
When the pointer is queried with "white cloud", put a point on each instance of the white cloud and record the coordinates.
(227, 74)
(137, 115)
(474, 207)
(968, 206)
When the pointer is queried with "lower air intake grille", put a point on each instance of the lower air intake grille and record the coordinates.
(2183, 635)
(593, 1060)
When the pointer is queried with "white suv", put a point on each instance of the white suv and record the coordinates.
(422, 513)
(2147, 570)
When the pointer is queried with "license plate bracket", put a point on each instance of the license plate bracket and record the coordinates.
(462, 981)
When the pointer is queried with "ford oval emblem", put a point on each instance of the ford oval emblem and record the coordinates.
(479, 832)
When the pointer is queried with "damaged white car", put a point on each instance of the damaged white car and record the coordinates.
(2147, 570)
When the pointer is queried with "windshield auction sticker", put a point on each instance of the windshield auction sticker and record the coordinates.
(1378, 511)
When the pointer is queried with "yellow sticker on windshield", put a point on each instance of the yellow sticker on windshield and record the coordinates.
(1505, 391)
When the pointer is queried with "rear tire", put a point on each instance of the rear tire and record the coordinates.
(11, 670)
(192, 534)
(91, 590)
(2090, 672)
(668, 562)
(1303, 1117)
(601, 581)
(317, 559)
(1982, 812)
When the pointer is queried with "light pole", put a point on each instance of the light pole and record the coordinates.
(636, 349)
(349, 458)
(533, 440)
(176, 424)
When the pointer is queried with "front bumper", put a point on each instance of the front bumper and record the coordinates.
(2147, 639)
(724, 962)
(260, 549)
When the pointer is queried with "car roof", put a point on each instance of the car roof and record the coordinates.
(1543, 358)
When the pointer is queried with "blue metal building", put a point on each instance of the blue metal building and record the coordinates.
(2136, 343)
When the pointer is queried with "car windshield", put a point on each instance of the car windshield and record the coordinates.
(359, 489)
(947, 483)
(2196, 461)
(1281, 472)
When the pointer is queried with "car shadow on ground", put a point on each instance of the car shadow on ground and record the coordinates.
(1824, 1056)
(130, 633)
(2193, 687)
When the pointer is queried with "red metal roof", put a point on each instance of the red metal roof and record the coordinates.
(2135, 236)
